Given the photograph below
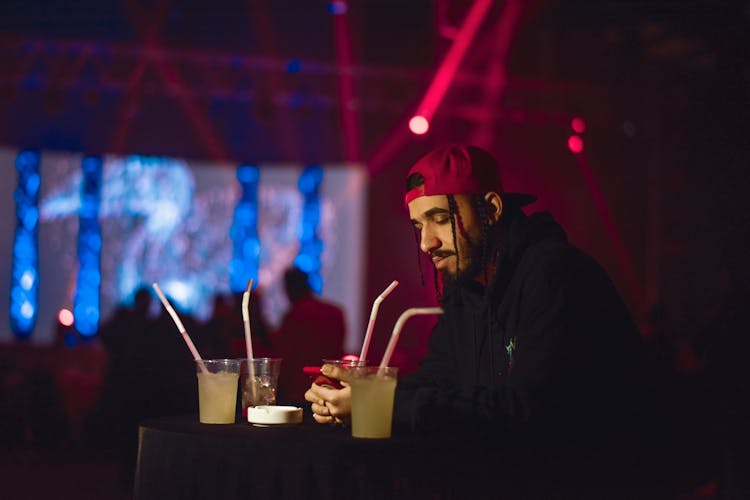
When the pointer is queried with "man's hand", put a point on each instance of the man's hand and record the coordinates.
(331, 406)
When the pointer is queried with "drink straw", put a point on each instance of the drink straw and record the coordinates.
(246, 319)
(373, 315)
(248, 338)
(397, 330)
(180, 327)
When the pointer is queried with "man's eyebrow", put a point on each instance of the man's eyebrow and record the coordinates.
(432, 213)
(435, 211)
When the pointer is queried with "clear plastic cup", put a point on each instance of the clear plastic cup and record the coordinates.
(373, 390)
(217, 390)
(261, 389)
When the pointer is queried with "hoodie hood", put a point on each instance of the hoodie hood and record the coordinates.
(523, 231)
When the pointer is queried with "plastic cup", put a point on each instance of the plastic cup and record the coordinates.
(217, 390)
(331, 383)
(346, 364)
(261, 389)
(373, 390)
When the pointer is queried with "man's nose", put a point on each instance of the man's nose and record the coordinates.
(428, 242)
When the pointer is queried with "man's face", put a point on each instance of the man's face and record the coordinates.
(431, 217)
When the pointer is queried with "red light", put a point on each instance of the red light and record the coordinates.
(575, 144)
(350, 357)
(578, 125)
(65, 317)
(419, 125)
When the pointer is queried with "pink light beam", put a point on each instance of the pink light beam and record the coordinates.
(346, 84)
(447, 70)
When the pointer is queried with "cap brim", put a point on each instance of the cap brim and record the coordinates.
(518, 199)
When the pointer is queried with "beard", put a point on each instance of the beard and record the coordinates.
(467, 270)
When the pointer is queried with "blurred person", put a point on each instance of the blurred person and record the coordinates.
(535, 348)
(151, 373)
(311, 330)
(219, 329)
(79, 365)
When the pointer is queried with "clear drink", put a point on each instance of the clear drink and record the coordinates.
(260, 389)
(217, 391)
(372, 401)
(265, 391)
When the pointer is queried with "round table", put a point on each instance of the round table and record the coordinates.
(179, 458)
(182, 459)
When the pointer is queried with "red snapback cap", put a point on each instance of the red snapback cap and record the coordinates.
(458, 169)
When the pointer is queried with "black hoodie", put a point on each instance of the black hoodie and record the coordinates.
(550, 348)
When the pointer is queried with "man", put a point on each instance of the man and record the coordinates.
(535, 346)
(310, 331)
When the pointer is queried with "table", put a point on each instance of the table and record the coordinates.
(182, 459)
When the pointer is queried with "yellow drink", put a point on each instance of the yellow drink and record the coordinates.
(217, 397)
(372, 401)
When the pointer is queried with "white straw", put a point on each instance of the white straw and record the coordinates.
(180, 327)
(246, 319)
(248, 337)
(399, 325)
(373, 315)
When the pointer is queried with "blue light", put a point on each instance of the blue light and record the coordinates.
(244, 231)
(248, 174)
(310, 246)
(293, 66)
(337, 7)
(30, 217)
(70, 339)
(27, 279)
(24, 285)
(27, 310)
(309, 180)
(86, 298)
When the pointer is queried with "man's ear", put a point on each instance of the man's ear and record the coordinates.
(494, 206)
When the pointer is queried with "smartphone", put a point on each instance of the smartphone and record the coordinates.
(318, 378)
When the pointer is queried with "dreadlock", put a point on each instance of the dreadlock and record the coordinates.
(453, 212)
(419, 254)
(481, 208)
(414, 181)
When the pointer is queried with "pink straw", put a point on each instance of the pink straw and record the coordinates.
(246, 319)
(180, 327)
(397, 330)
(248, 338)
(373, 315)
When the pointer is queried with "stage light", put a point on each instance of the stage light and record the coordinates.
(293, 66)
(88, 282)
(65, 317)
(28, 278)
(419, 125)
(70, 339)
(180, 293)
(575, 144)
(450, 64)
(244, 231)
(310, 246)
(24, 283)
(578, 125)
(337, 7)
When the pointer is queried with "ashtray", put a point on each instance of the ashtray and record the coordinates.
(267, 415)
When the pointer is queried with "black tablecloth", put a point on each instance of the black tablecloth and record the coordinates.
(182, 459)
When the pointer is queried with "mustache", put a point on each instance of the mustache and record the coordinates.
(441, 254)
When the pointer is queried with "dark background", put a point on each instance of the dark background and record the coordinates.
(658, 194)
